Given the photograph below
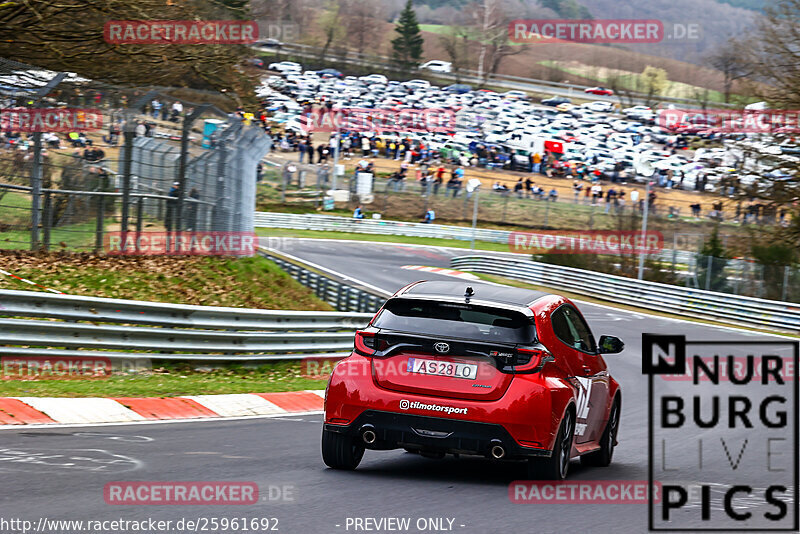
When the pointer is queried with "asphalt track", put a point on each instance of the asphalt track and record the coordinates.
(60, 473)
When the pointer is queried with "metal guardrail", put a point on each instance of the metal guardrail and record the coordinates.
(339, 294)
(334, 223)
(186, 332)
(719, 307)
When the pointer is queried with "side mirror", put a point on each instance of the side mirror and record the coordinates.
(610, 345)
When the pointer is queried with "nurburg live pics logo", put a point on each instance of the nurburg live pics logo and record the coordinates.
(722, 434)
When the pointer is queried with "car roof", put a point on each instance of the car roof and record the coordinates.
(486, 294)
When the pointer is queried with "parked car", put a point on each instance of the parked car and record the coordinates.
(458, 88)
(516, 95)
(329, 73)
(556, 100)
(373, 78)
(417, 84)
(285, 67)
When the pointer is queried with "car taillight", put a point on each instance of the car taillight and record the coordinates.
(532, 360)
(367, 344)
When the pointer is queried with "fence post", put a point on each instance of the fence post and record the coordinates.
(505, 205)
(708, 273)
(98, 239)
(129, 133)
(139, 218)
(36, 189)
(785, 282)
(183, 162)
(47, 221)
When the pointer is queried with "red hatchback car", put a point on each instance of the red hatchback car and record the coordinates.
(500, 372)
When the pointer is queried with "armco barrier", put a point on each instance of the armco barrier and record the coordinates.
(334, 223)
(718, 307)
(69, 323)
(338, 293)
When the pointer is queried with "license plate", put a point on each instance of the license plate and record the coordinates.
(451, 369)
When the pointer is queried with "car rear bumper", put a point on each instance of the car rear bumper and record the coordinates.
(436, 434)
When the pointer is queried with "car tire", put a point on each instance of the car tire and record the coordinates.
(340, 451)
(602, 457)
(556, 466)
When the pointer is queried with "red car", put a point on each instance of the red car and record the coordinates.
(502, 372)
(599, 91)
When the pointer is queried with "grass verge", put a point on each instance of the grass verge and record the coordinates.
(211, 281)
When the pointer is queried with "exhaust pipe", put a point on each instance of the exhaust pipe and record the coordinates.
(368, 434)
(497, 451)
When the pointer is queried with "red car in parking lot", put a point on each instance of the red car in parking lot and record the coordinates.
(598, 91)
(501, 372)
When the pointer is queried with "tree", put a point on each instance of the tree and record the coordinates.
(569, 9)
(330, 23)
(407, 46)
(773, 57)
(67, 35)
(300, 12)
(491, 25)
(361, 17)
(617, 83)
(456, 45)
(653, 82)
(729, 60)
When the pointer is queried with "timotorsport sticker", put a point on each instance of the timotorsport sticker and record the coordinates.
(416, 405)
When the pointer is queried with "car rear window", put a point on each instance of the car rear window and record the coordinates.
(463, 321)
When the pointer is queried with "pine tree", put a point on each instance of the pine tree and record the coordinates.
(407, 46)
